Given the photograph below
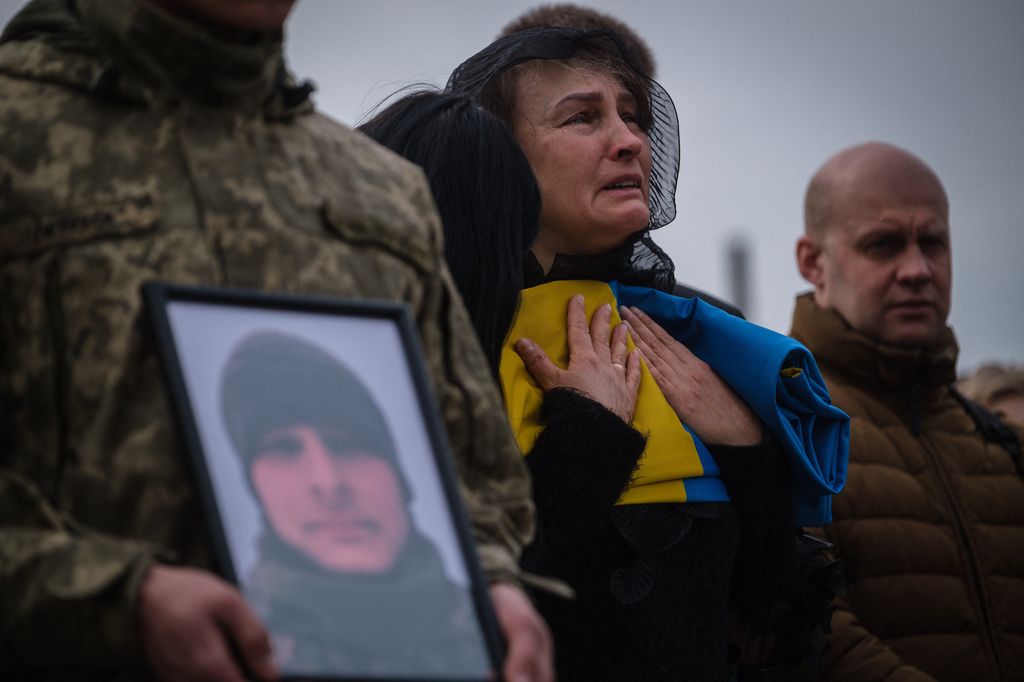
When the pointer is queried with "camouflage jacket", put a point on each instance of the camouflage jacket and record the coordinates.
(137, 147)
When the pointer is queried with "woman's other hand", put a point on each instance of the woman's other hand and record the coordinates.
(699, 397)
(600, 365)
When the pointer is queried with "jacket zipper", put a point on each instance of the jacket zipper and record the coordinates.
(915, 408)
(971, 568)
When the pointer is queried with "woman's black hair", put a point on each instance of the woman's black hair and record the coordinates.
(485, 192)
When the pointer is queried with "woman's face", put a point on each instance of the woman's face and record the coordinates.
(579, 130)
(344, 510)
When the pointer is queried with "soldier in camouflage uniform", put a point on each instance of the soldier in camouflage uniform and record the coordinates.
(136, 145)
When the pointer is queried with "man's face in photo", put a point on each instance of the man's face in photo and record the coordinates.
(342, 508)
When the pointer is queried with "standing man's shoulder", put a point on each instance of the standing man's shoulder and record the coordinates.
(370, 187)
(361, 158)
(34, 70)
(45, 48)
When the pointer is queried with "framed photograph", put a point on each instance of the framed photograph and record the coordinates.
(327, 483)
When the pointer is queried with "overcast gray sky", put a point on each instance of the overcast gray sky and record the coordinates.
(766, 91)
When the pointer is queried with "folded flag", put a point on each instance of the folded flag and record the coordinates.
(776, 376)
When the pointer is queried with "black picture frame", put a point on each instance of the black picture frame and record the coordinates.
(219, 350)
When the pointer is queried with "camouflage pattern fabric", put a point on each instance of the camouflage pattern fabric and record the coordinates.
(138, 147)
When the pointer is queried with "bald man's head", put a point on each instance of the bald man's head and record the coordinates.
(852, 174)
(876, 243)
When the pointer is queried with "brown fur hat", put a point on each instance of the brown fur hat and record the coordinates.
(575, 16)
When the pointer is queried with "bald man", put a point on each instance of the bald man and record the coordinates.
(931, 522)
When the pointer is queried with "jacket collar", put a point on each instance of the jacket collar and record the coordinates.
(166, 57)
(867, 361)
(134, 51)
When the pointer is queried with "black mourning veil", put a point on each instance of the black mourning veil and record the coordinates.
(639, 260)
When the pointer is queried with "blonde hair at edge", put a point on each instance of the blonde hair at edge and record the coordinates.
(998, 387)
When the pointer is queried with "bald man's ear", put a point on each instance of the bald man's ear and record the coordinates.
(808, 260)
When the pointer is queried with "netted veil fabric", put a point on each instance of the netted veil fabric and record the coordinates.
(639, 260)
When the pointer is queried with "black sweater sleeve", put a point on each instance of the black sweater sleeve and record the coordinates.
(580, 464)
(758, 481)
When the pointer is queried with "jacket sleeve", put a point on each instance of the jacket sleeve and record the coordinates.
(62, 583)
(758, 484)
(857, 654)
(580, 465)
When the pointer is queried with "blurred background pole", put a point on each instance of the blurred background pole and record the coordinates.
(738, 269)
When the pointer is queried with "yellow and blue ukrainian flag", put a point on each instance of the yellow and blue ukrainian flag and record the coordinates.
(774, 374)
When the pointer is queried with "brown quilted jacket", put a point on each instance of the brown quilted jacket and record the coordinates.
(930, 524)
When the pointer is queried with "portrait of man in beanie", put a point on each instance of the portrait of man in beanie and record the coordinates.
(329, 524)
(317, 453)
(320, 459)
